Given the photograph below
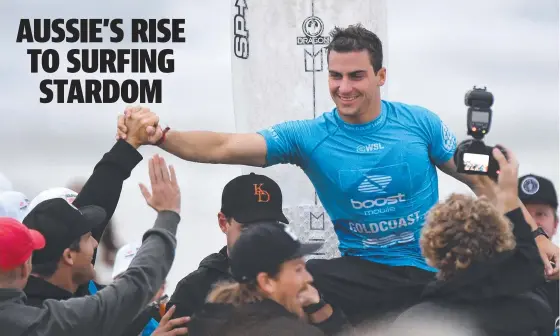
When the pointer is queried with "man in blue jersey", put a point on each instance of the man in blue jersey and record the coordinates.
(373, 165)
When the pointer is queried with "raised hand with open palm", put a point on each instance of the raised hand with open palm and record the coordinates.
(165, 194)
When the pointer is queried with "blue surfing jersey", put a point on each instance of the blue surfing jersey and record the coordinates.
(376, 181)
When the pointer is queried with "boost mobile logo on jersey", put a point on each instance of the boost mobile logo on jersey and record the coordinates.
(241, 33)
(378, 202)
(376, 184)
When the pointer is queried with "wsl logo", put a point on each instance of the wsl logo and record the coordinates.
(241, 33)
(369, 148)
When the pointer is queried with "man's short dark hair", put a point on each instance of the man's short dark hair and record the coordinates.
(357, 38)
(47, 269)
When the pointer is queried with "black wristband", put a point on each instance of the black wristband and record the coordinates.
(312, 309)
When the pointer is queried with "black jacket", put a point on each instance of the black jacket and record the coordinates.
(191, 292)
(103, 188)
(497, 295)
(38, 290)
(262, 318)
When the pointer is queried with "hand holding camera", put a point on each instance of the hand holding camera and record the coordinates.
(497, 169)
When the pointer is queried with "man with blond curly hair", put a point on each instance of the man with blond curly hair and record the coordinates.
(462, 230)
(488, 264)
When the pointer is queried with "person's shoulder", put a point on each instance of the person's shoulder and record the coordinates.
(191, 279)
(325, 118)
(412, 110)
(325, 123)
(211, 268)
(34, 301)
(267, 315)
(414, 116)
(191, 291)
(315, 127)
(18, 318)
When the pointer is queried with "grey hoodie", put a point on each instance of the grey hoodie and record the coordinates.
(109, 311)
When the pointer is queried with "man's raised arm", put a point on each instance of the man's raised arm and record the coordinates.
(212, 147)
(195, 146)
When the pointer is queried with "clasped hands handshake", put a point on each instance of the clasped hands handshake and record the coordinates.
(139, 126)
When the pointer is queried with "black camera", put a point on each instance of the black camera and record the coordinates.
(472, 155)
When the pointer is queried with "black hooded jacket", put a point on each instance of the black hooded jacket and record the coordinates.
(39, 290)
(497, 294)
(191, 292)
(103, 188)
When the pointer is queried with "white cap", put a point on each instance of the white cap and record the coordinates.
(60, 192)
(124, 258)
(5, 184)
(13, 204)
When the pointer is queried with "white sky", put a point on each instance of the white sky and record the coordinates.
(437, 50)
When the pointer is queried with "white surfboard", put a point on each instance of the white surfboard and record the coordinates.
(279, 72)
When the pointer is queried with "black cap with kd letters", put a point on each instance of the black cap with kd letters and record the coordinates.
(535, 189)
(251, 198)
(263, 247)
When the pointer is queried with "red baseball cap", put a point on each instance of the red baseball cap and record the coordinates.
(17, 243)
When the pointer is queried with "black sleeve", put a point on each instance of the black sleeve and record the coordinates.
(187, 298)
(524, 269)
(104, 186)
(336, 324)
(521, 229)
(526, 249)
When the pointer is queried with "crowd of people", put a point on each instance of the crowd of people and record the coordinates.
(470, 265)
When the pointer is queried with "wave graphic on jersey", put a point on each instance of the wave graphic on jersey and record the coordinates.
(375, 184)
(390, 240)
